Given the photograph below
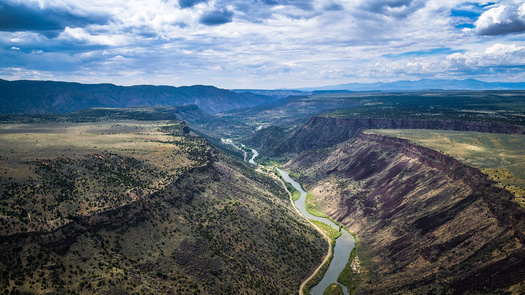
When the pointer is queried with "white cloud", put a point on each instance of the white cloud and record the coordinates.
(280, 42)
(80, 35)
(503, 19)
(496, 55)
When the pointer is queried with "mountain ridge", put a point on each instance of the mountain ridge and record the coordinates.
(38, 97)
(423, 84)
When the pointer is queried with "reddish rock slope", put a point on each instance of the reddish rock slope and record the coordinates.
(426, 223)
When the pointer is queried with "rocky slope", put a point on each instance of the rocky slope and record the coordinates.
(322, 132)
(426, 223)
(38, 97)
(217, 228)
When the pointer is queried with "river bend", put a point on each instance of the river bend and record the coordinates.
(343, 245)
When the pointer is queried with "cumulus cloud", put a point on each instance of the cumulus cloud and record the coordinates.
(498, 55)
(270, 2)
(277, 43)
(503, 19)
(304, 5)
(333, 6)
(190, 3)
(78, 36)
(498, 59)
(394, 8)
(48, 21)
(217, 17)
(263, 10)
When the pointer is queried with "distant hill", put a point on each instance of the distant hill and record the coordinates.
(424, 84)
(37, 97)
(279, 93)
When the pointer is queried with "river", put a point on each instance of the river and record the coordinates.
(343, 245)
(255, 155)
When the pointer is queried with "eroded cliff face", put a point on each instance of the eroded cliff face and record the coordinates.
(426, 223)
(323, 132)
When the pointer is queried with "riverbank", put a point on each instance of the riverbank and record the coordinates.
(328, 257)
(340, 250)
(329, 270)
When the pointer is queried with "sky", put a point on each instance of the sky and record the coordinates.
(264, 44)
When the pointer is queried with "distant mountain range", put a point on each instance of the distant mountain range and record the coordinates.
(37, 97)
(424, 84)
(279, 93)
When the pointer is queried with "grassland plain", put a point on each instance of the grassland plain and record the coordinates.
(500, 156)
(328, 121)
(505, 107)
(129, 207)
(49, 171)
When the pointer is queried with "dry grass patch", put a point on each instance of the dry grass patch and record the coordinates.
(51, 171)
(139, 139)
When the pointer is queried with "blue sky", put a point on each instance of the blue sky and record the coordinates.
(261, 43)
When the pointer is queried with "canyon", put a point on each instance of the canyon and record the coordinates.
(158, 197)
(325, 131)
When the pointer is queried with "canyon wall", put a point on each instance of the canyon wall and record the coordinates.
(426, 223)
(322, 132)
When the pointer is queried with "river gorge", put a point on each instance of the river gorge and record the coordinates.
(343, 245)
